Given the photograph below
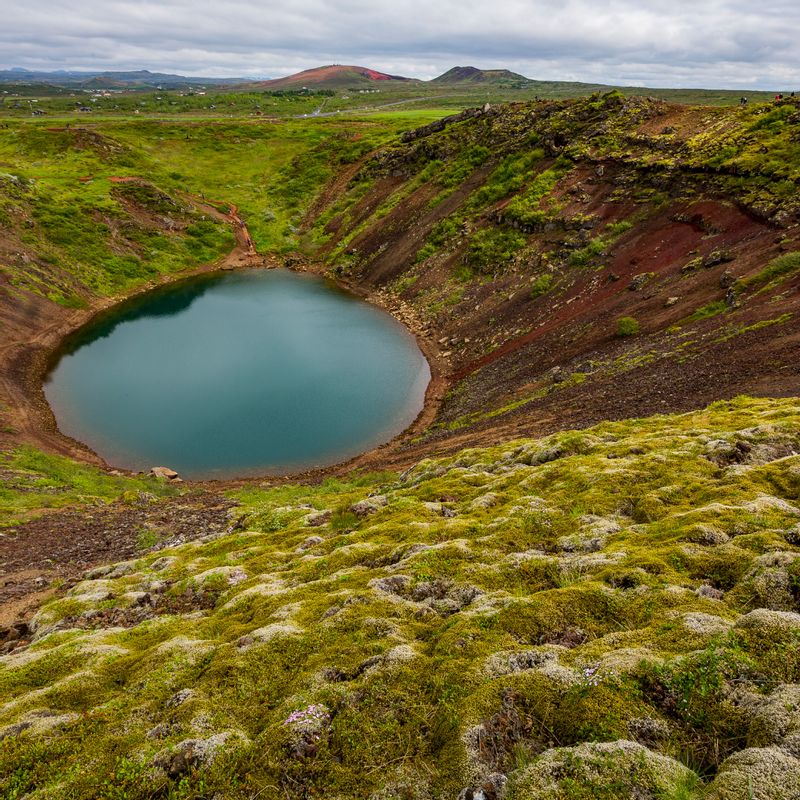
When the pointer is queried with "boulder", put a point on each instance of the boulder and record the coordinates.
(619, 769)
(193, 753)
(165, 473)
(319, 518)
(773, 717)
(764, 620)
(308, 543)
(369, 505)
(484, 501)
(757, 773)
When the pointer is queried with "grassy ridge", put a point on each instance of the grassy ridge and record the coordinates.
(36, 482)
(76, 233)
(55, 191)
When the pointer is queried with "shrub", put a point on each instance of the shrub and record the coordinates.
(542, 285)
(627, 326)
(493, 247)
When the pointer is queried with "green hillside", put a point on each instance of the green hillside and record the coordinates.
(475, 75)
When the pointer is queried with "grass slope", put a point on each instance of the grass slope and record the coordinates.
(69, 232)
(596, 614)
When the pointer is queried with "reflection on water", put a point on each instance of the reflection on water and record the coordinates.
(245, 373)
(162, 302)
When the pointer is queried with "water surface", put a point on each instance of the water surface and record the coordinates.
(244, 373)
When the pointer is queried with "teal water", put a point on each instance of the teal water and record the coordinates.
(257, 372)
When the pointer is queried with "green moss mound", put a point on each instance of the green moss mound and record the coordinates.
(604, 613)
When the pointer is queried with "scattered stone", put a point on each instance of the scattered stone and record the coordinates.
(439, 508)
(706, 624)
(267, 633)
(499, 664)
(395, 584)
(649, 731)
(193, 753)
(707, 535)
(765, 620)
(773, 717)
(569, 637)
(484, 501)
(98, 572)
(491, 788)
(14, 730)
(640, 281)
(626, 660)
(671, 301)
(308, 543)
(370, 505)
(709, 591)
(716, 257)
(727, 279)
(770, 581)
(179, 698)
(160, 731)
(122, 569)
(165, 473)
(163, 563)
(766, 773)
(229, 575)
(577, 543)
(792, 535)
(319, 518)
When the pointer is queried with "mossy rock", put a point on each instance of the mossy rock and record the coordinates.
(606, 771)
(757, 774)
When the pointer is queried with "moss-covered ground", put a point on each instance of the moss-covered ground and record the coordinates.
(607, 613)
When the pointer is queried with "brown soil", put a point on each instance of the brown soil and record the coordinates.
(53, 551)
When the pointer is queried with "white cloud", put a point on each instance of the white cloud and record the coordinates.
(653, 42)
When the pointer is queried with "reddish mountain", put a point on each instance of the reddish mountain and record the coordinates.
(334, 76)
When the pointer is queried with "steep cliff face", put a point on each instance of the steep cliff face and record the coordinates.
(584, 260)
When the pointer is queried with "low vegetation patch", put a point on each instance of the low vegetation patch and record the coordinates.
(627, 326)
(578, 615)
(778, 270)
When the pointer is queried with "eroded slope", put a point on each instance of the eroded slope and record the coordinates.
(579, 261)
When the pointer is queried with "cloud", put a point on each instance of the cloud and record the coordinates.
(720, 43)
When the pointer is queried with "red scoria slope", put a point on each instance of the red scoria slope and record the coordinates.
(522, 234)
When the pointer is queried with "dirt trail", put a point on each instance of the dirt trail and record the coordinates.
(244, 241)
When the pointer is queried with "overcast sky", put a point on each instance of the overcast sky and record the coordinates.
(708, 43)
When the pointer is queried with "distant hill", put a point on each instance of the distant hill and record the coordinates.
(136, 79)
(333, 76)
(475, 75)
